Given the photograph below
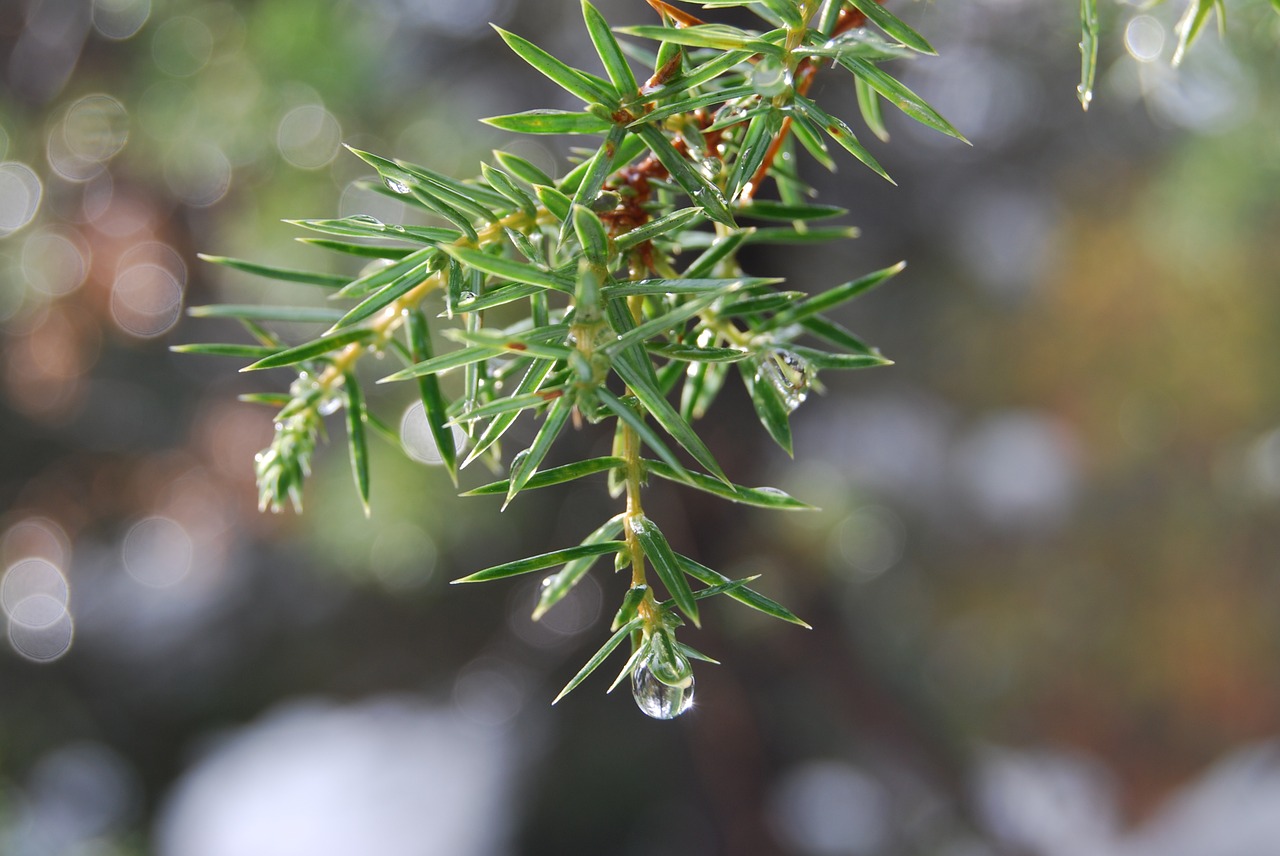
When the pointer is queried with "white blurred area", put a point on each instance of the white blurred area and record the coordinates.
(1054, 804)
(391, 776)
(1017, 472)
(1029, 802)
(830, 808)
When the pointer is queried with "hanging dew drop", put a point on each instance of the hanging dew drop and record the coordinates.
(659, 700)
(769, 77)
(788, 373)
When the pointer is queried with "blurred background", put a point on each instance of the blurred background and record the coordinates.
(1043, 580)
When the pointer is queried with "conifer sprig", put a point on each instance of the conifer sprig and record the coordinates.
(604, 322)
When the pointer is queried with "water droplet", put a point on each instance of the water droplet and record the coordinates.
(366, 219)
(396, 228)
(769, 77)
(667, 663)
(788, 373)
(659, 700)
(302, 386)
(308, 389)
(466, 297)
(640, 524)
(606, 201)
(396, 185)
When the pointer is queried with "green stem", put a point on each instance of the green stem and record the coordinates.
(390, 319)
(631, 454)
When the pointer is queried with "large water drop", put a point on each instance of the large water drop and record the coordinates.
(659, 700)
(769, 77)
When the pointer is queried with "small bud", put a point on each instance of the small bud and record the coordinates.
(600, 112)
(630, 601)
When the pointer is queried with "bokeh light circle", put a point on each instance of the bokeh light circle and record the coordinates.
(868, 542)
(120, 19)
(96, 127)
(158, 552)
(200, 176)
(1144, 38)
(489, 692)
(20, 192)
(419, 442)
(155, 253)
(36, 537)
(308, 136)
(146, 300)
(32, 578)
(96, 197)
(577, 611)
(41, 628)
(55, 262)
(66, 163)
(182, 46)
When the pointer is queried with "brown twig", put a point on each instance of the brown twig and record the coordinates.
(632, 182)
(805, 72)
